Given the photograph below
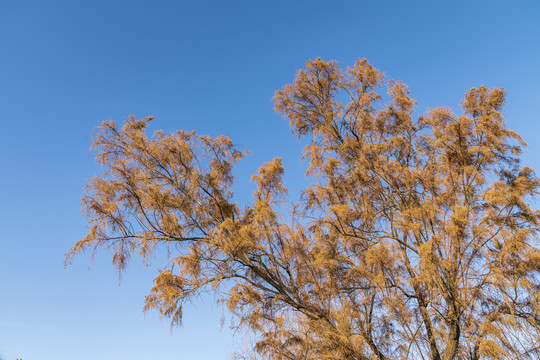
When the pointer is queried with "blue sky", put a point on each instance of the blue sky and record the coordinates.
(212, 66)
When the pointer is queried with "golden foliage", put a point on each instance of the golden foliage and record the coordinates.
(416, 241)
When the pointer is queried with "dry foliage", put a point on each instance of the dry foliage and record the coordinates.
(416, 241)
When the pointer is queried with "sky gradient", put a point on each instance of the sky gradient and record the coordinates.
(210, 66)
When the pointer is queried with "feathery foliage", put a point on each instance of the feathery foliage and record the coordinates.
(416, 241)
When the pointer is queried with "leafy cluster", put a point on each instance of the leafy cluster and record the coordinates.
(417, 239)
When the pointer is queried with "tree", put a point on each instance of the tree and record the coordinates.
(416, 239)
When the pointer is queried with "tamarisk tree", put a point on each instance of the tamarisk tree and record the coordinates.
(415, 240)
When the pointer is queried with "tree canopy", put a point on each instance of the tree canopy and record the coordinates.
(417, 238)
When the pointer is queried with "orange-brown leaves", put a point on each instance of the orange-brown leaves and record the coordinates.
(423, 184)
(310, 103)
(269, 181)
(417, 238)
(482, 100)
(168, 289)
(166, 189)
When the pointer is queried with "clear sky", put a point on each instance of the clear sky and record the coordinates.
(212, 66)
